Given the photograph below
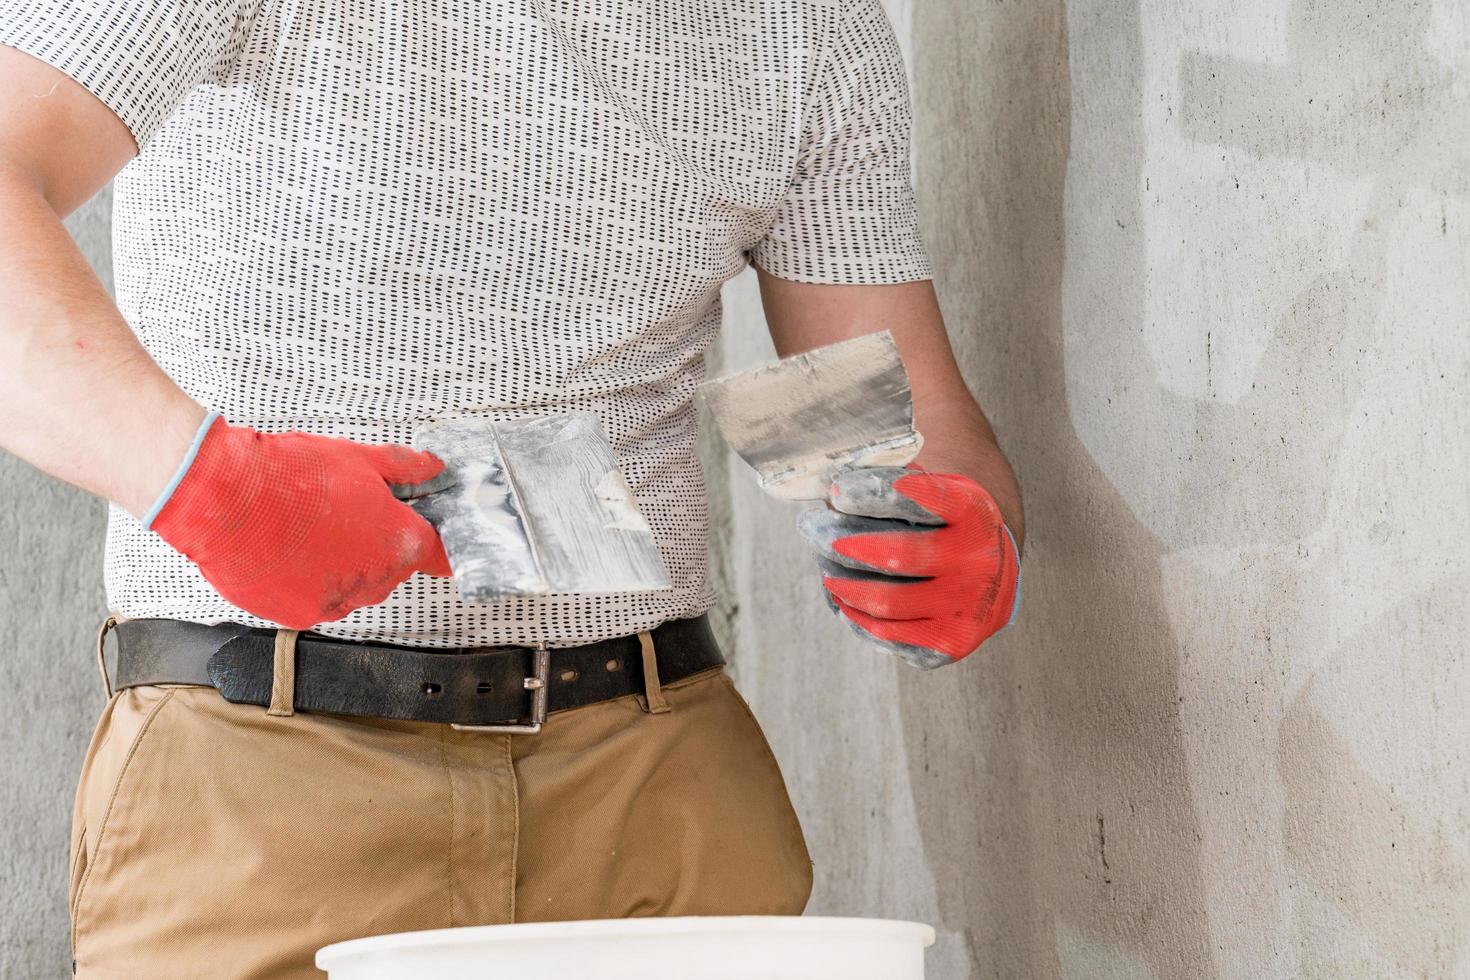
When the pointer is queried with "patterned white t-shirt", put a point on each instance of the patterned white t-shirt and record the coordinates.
(349, 216)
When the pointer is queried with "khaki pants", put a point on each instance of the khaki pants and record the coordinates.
(212, 839)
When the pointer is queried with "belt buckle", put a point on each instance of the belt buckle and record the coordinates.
(536, 684)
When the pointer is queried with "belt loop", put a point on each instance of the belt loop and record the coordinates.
(107, 625)
(283, 677)
(655, 701)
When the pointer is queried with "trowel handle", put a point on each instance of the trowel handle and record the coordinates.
(413, 491)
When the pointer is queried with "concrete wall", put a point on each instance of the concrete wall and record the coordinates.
(1205, 266)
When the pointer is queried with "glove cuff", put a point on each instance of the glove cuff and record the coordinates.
(244, 501)
(1016, 596)
(185, 465)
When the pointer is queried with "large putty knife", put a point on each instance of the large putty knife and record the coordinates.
(802, 419)
(533, 506)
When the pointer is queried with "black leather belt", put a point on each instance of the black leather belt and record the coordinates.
(498, 687)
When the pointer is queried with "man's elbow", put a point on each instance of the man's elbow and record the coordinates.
(57, 139)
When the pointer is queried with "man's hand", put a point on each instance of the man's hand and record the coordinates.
(920, 563)
(923, 562)
(298, 529)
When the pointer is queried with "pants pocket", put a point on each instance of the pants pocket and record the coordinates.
(224, 840)
(115, 743)
(628, 813)
(78, 866)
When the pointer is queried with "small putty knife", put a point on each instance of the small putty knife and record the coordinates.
(534, 506)
(802, 419)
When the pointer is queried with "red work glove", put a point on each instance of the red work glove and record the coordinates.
(294, 528)
(920, 563)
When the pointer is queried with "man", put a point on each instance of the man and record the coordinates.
(335, 219)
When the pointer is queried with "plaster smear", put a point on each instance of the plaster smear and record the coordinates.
(536, 506)
(617, 500)
(801, 420)
(585, 525)
(478, 517)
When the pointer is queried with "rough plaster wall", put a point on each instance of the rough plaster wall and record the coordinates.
(50, 606)
(1205, 266)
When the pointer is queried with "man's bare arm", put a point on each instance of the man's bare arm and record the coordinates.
(82, 400)
(957, 436)
(79, 397)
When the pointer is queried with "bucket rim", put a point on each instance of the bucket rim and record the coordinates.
(628, 928)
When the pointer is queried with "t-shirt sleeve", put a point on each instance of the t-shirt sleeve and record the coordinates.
(849, 215)
(141, 58)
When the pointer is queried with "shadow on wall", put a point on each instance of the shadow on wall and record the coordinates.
(1086, 832)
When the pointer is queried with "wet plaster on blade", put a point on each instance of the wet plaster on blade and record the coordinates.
(588, 533)
(616, 497)
(479, 518)
(801, 420)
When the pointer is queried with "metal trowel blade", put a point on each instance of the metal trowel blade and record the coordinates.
(535, 506)
(476, 512)
(801, 420)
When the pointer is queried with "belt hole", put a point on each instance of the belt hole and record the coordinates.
(484, 687)
(432, 688)
(570, 674)
(613, 664)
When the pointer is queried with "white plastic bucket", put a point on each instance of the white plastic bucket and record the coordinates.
(748, 947)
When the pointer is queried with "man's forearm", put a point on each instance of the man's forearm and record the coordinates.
(79, 397)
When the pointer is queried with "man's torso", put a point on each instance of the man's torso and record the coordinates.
(378, 214)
